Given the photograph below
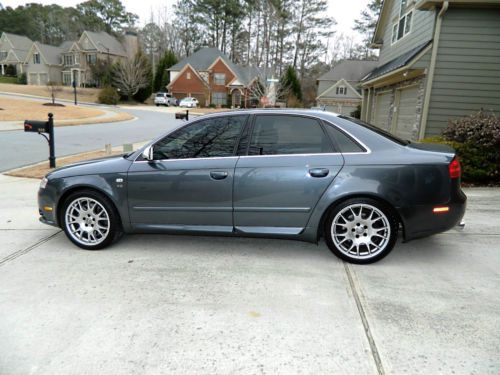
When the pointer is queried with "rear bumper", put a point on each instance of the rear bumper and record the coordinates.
(421, 221)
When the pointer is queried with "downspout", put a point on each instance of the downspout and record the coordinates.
(432, 67)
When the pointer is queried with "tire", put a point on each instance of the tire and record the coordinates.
(157, 105)
(96, 223)
(361, 230)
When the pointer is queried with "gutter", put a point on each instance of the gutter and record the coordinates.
(432, 68)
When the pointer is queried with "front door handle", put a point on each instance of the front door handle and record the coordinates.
(218, 175)
(319, 172)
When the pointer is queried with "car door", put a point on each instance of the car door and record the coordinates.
(189, 184)
(289, 163)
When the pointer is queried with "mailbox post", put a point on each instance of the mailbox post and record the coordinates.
(42, 127)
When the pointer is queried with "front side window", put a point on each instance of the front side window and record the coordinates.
(91, 59)
(68, 59)
(282, 134)
(66, 78)
(341, 90)
(36, 58)
(215, 137)
(219, 78)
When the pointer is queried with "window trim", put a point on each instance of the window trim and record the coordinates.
(223, 80)
(396, 25)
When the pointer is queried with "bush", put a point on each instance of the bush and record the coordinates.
(476, 139)
(212, 105)
(22, 79)
(108, 95)
(10, 70)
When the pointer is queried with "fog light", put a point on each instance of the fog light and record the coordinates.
(48, 208)
(438, 210)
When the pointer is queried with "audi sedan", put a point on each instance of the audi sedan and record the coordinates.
(293, 174)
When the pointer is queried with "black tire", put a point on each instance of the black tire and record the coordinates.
(114, 229)
(157, 105)
(355, 236)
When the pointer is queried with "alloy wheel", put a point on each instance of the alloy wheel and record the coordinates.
(87, 221)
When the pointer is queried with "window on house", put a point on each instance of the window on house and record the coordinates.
(219, 78)
(67, 78)
(188, 75)
(403, 26)
(91, 59)
(36, 58)
(3, 55)
(219, 98)
(341, 90)
(68, 60)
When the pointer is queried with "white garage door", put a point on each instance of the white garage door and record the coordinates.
(382, 108)
(43, 79)
(406, 125)
(33, 79)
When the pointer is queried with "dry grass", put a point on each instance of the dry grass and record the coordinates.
(19, 110)
(119, 116)
(84, 94)
(40, 170)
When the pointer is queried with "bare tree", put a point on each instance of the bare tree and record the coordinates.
(131, 75)
(53, 89)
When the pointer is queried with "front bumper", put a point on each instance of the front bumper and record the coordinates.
(47, 206)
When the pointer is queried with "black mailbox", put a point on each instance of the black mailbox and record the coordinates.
(41, 127)
(36, 126)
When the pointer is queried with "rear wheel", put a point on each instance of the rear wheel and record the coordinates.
(90, 220)
(361, 230)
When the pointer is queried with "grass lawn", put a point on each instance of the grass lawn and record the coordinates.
(20, 110)
(10, 80)
(84, 94)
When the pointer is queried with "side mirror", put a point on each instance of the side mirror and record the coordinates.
(148, 153)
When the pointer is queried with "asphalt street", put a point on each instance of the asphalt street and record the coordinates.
(18, 148)
(160, 304)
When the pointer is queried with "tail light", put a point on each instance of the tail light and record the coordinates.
(454, 168)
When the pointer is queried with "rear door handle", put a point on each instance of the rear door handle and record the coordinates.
(319, 172)
(218, 175)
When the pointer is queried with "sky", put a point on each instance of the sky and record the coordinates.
(344, 11)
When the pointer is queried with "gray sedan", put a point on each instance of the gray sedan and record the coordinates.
(294, 174)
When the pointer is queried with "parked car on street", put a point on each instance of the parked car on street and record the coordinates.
(165, 98)
(295, 174)
(189, 102)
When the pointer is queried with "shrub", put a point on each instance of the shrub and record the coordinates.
(22, 79)
(108, 95)
(212, 105)
(10, 70)
(476, 139)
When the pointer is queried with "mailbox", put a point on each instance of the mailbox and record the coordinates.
(41, 127)
(36, 126)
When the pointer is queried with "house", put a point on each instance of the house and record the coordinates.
(212, 78)
(438, 60)
(79, 56)
(339, 90)
(13, 51)
(43, 64)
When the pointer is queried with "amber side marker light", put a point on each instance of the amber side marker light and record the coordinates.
(47, 208)
(440, 210)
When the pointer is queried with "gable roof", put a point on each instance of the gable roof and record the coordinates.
(103, 41)
(398, 62)
(51, 55)
(66, 45)
(349, 70)
(337, 84)
(19, 42)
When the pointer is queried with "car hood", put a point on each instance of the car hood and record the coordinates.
(109, 164)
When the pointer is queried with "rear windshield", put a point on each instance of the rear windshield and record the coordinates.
(377, 130)
(160, 95)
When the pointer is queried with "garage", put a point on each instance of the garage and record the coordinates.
(33, 79)
(382, 109)
(406, 121)
(43, 79)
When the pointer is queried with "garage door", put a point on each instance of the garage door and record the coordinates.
(43, 79)
(382, 108)
(33, 79)
(406, 125)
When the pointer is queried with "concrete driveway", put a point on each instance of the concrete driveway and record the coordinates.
(204, 305)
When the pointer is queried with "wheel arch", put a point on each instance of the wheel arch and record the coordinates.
(340, 200)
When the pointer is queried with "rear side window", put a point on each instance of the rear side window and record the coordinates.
(343, 142)
(282, 134)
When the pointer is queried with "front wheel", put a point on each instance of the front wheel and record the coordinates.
(90, 220)
(361, 230)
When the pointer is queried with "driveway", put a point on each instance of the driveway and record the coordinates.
(156, 304)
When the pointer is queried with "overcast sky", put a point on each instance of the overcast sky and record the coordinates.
(344, 11)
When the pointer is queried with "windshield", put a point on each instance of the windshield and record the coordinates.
(377, 130)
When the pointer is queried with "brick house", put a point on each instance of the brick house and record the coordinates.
(212, 78)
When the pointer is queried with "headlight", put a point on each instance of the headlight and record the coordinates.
(43, 183)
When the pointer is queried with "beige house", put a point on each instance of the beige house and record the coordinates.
(43, 64)
(13, 51)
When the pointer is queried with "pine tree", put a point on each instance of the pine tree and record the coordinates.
(367, 22)
(161, 79)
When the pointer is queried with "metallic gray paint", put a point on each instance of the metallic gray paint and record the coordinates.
(271, 196)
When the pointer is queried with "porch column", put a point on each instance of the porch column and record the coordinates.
(3, 71)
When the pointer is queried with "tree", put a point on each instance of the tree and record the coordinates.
(188, 29)
(102, 72)
(161, 78)
(53, 89)
(109, 13)
(367, 22)
(131, 75)
(291, 84)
